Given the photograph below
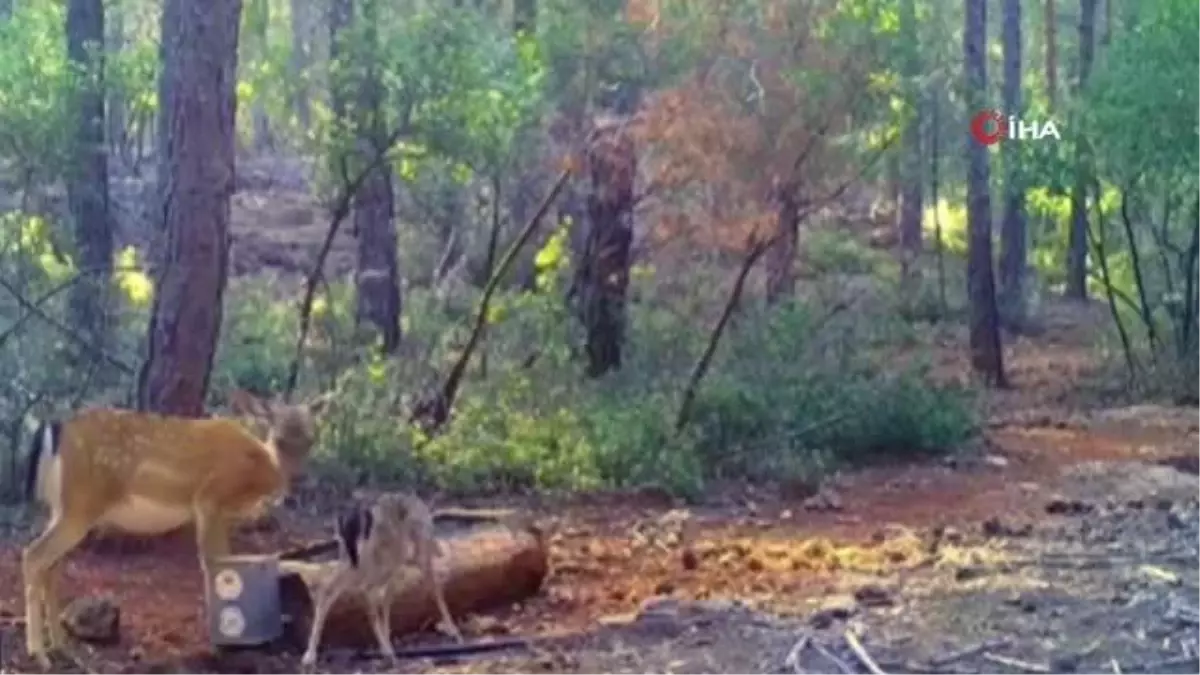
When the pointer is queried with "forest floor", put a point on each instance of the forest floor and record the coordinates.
(1064, 540)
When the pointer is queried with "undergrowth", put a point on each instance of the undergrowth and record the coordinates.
(794, 390)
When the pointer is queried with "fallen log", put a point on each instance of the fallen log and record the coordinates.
(483, 568)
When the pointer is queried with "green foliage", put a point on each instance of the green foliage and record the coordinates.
(35, 88)
(790, 396)
(1143, 102)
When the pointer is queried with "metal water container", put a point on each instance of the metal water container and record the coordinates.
(242, 595)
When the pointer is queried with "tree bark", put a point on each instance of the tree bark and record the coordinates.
(603, 275)
(911, 180)
(1051, 20)
(1013, 244)
(781, 257)
(300, 61)
(199, 76)
(87, 177)
(378, 288)
(1077, 247)
(117, 123)
(258, 20)
(986, 356)
(525, 16)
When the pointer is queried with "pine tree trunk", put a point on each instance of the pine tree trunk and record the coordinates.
(199, 76)
(1051, 26)
(1077, 243)
(1013, 244)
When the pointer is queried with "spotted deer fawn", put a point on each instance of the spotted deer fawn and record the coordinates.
(149, 474)
(374, 537)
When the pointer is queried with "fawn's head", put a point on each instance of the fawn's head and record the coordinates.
(291, 428)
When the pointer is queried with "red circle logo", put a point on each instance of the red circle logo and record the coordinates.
(988, 127)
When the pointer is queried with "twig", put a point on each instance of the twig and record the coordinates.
(793, 657)
(861, 652)
(1016, 663)
(757, 249)
(341, 210)
(64, 329)
(968, 652)
(1191, 662)
(833, 658)
(440, 408)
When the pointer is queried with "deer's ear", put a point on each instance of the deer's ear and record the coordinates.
(320, 404)
(245, 403)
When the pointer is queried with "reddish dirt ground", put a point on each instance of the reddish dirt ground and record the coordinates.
(610, 554)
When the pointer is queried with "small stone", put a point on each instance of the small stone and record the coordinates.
(835, 609)
(1176, 521)
(94, 619)
(1060, 506)
(872, 595)
(996, 461)
(992, 527)
(1064, 663)
(689, 559)
(755, 565)
(664, 587)
(969, 572)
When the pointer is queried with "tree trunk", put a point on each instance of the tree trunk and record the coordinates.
(258, 19)
(118, 134)
(1013, 244)
(1077, 244)
(199, 76)
(377, 278)
(1051, 26)
(986, 356)
(301, 60)
(781, 258)
(1106, 34)
(87, 177)
(911, 207)
(525, 16)
(604, 267)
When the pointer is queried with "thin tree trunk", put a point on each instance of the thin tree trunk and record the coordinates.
(199, 76)
(604, 271)
(87, 177)
(986, 355)
(934, 180)
(781, 256)
(118, 134)
(300, 61)
(1013, 244)
(1051, 26)
(259, 19)
(525, 16)
(1077, 244)
(911, 180)
(377, 281)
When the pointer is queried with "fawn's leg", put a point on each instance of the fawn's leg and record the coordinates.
(425, 552)
(38, 566)
(212, 537)
(324, 596)
(379, 607)
(52, 601)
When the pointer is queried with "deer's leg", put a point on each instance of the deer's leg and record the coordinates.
(212, 537)
(380, 608)
(324, 596)
(425, 551)
(39, 563)
(53, 605)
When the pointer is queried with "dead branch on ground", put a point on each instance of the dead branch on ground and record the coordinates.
(861, 652)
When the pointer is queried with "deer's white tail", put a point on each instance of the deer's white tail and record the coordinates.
(43, 467)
